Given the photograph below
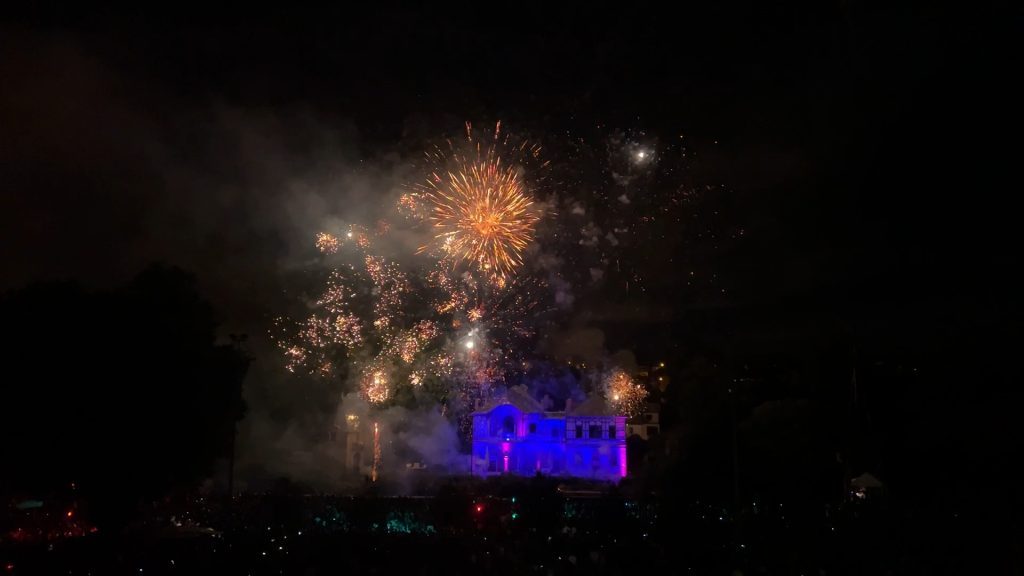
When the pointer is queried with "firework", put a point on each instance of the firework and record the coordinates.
(461, 321)
(330, 328)
(408, 345)
(410, 206)
(504, 310)
(334, 296)
(358, 234)
(625, 395)
(408, 348)
(416, 378)
(455, 329)
(327, 243)
(479, 205)
(295, 357)
(453, 296)
(374, 384)
(376, 452)
(389, 286)
(347, 330)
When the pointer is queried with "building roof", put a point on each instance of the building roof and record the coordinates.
(593, 406)
(517, 396)
(866, 480)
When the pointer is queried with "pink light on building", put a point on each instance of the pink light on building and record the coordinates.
(586, 441)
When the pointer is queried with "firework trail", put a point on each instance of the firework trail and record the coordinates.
(376, 452)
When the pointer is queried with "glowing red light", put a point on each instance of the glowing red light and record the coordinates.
(479, 507)
(70, 513)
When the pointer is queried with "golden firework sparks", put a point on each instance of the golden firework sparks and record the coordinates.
(374, 385)
(327, 243)
(389, 286)
(625, 395)
(348, 330)
(409, 205)
(475, 314)
(480, 205)
(408, 347)
(410, 343)
(482, 214)
(481, 208)
(295, 357)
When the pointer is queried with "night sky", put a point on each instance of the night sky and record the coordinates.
(862, 150)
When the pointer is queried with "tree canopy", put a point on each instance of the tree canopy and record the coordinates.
(124, 392)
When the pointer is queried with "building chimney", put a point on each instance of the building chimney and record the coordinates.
(568, 405)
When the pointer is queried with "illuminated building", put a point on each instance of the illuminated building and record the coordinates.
(358, 446)
(515, 435)
(646, 424)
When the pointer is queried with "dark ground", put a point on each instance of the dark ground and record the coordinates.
(508, 528)
(873, 148)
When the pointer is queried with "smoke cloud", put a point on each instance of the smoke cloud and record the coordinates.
(234, 194)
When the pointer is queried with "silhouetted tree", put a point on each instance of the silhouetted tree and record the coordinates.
(126, 393)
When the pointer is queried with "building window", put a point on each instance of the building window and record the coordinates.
(579, 431)
(508, 425)
(595, 431)
(533, 427)
(611, 431)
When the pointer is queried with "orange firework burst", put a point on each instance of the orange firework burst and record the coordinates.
(327, 243)
(408, 205)
(623, 394)
(374, 384)
(481, 207)
(408, 345)
(296, 356)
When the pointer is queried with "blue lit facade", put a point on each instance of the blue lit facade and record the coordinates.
(516, 436)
